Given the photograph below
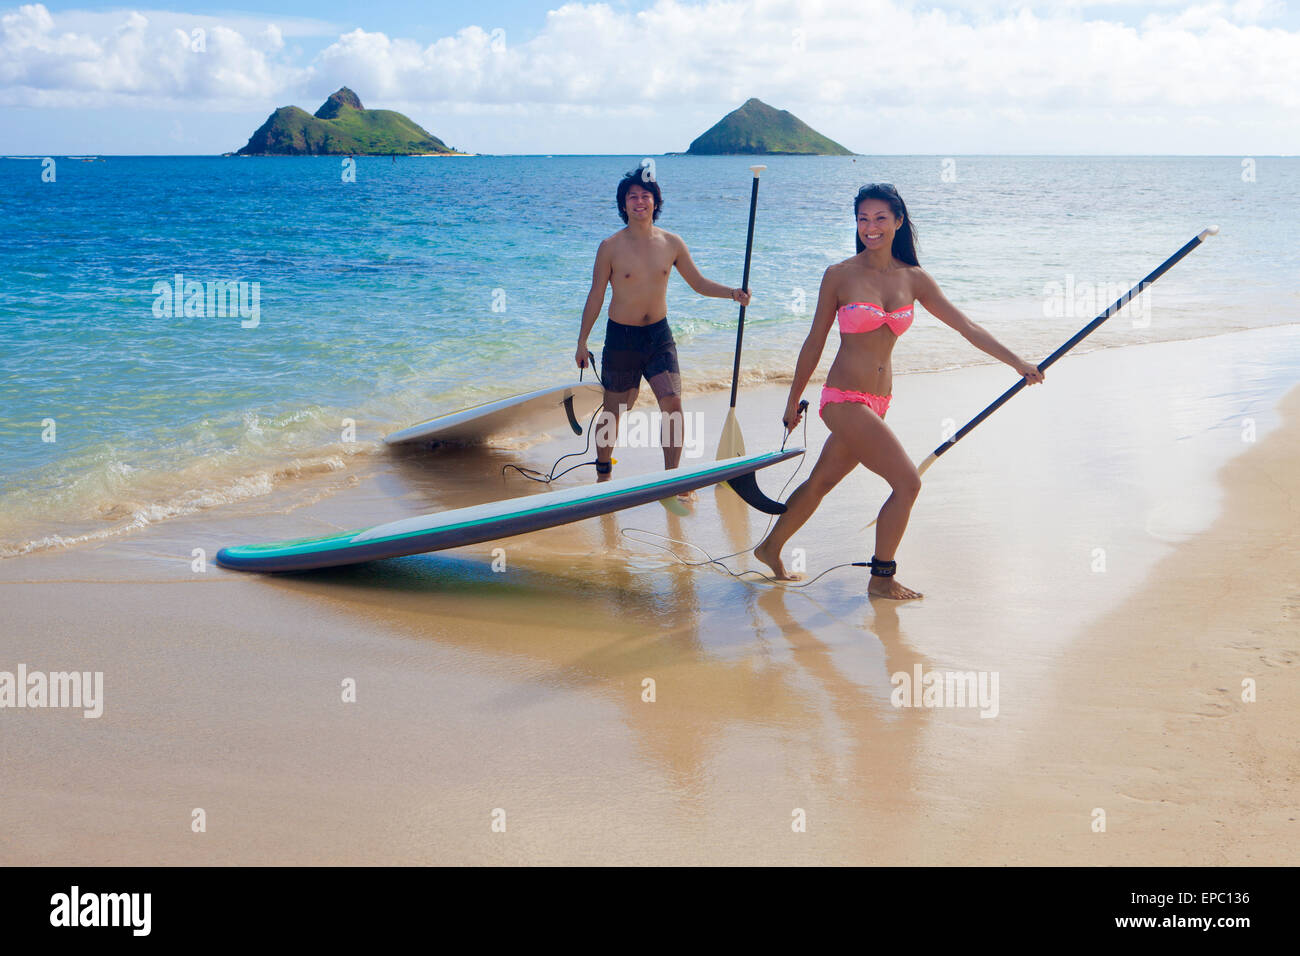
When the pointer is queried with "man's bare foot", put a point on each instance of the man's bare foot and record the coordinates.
(773, 561)
(890, 588)
(689, 497)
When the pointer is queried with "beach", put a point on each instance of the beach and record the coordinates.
(1113, 553)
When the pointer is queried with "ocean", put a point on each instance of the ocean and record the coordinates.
(429, 284)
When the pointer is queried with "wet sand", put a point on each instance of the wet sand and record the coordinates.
(1112, 546)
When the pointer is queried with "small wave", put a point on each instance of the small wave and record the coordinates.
(132, 515)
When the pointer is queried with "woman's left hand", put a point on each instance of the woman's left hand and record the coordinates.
(1030, 371)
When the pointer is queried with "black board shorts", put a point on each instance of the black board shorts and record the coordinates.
(632, 352)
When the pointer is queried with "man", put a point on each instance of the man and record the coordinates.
(637, 261)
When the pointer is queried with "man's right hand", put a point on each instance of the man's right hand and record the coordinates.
(580, 356)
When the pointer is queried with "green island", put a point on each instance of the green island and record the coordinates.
(761, 130)
(343, 127)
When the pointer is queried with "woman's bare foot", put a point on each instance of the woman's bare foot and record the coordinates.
(889, 588)
(773, 561)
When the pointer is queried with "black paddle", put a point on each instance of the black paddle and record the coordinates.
(1073, 341)
(732, 443)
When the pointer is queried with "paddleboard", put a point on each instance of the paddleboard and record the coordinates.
(503, 519)
(526, 414)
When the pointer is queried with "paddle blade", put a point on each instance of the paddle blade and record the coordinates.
(573, 419)
(747, 487)
(675, 506)
(732, 443)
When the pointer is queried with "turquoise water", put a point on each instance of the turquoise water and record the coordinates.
(429, 284)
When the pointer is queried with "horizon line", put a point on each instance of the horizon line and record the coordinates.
(233, 155)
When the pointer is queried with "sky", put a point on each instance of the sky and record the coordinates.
(952, 77)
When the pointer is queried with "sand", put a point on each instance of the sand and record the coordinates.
(1117, 547)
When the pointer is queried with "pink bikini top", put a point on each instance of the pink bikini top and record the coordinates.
(867, 317)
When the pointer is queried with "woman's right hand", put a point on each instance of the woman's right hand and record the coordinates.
(793, 413)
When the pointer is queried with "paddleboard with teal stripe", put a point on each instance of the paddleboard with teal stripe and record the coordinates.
(503, 519)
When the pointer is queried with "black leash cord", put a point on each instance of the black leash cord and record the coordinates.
(534, 475)
(740, 575)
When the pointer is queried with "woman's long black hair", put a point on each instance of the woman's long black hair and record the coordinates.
(904, 246)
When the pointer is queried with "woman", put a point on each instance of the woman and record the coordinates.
(871, 296)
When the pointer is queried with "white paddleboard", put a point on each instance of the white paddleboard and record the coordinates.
(503, 519)
(547, 409)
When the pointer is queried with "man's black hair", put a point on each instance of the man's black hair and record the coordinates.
(643, 177)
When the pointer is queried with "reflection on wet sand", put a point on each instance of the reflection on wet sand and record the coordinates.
(728, 660)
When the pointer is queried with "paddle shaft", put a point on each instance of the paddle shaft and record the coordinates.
(1077, 338)
(744, 284)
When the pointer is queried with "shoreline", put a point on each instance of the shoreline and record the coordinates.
(272, 479)
(1149, 719)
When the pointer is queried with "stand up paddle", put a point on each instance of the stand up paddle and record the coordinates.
(732, 443)
(1069, 344)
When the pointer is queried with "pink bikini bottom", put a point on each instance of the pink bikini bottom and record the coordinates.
(877, 403)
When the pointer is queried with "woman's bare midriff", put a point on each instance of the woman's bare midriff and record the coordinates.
(862, 364)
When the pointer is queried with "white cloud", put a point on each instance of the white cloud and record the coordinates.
(143, 59)
(844, 62)
(272, 38)
(835, 50)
